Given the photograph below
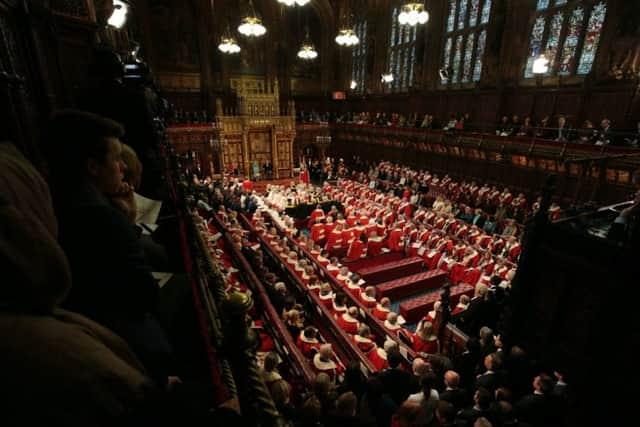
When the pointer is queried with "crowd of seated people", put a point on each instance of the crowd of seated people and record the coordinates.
(487, 385)
(555, 128)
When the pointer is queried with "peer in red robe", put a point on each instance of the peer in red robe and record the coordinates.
(307, 341)
(395, 240)
(358, 248)
(348, 321)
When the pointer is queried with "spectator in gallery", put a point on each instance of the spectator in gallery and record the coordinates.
(561, 134)
(634, 140)
(504, 127)
(587, 133)
(542, 130)
(605, 134)
(527, 128)
(515, 125)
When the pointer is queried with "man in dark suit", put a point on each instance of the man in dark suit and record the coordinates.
(605, 135)
(453, 394)
(475, 316)
(537, 407)
(396, 382)
(492, 378)
(112, 283)
(481, 402)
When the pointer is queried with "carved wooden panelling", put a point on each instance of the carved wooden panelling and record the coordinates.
(78, 9)
(233, 155)
(260, 147)
(284, 154)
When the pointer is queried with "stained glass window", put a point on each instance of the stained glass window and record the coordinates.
(359, 57)
(565, 31)
(553, 39)
(535, 44)
(456, 58)
(462, 14)
(447, 56)
(451, 20)
(486, 11)
(465, 40)
(468, 55)
(401, 55)
(473, 12)
(592, 37)
(568, 55)
(477, 67)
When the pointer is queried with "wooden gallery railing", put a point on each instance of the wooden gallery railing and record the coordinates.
(197, 267)
(588, 172)
(283, 340)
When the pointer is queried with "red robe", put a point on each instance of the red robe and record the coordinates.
(381, 313)
(395, 240)
(430, 347)
(348, 323)
(357, 249)
(378, 359)
(334, 240)
(317, 232)
(364, 344)
(308, 346)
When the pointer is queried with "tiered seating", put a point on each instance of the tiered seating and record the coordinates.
(391, 270)
(377, 327)
(411, 285)
(325, 322)
(414, 309)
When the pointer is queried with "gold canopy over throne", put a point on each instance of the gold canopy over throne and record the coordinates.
(259, 135)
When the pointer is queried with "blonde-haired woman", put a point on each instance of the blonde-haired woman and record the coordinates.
(425, 341)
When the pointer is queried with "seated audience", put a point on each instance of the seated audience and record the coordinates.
(112, 283)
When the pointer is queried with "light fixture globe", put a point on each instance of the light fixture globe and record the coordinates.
(228, 45)
(307, 51)
(294, 2)
(119, 15)
(251, 26)
(386, 78)
(353, 85)
(413, 14)
(347, 37)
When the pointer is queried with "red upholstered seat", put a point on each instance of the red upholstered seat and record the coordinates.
(391, 270)
(411, 285)
(414, 309)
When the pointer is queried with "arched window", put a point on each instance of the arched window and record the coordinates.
(402, 51)
(465, 39)
(359, 58)
(567, 33)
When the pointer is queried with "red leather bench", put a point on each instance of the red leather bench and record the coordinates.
(391, 270)
(413, 310)
(410, 285)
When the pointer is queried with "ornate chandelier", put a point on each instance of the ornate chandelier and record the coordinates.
(413, 14)
(251, 25)
(347, 37)
(294, 2)
(307, 51)
(228, 45)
